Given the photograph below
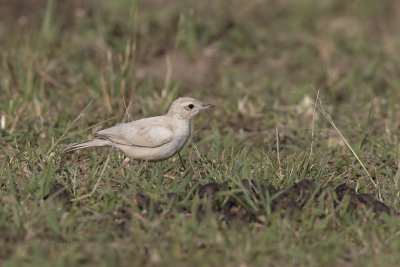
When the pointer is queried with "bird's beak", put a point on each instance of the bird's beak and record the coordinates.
(207, 106)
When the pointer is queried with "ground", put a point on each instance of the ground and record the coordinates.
(298, 164)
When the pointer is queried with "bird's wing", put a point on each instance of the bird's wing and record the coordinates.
(149, 132)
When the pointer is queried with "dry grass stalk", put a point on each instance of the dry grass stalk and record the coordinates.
(329, 119)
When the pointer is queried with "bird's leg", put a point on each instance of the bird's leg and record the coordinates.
(125, 163)
(183, 165)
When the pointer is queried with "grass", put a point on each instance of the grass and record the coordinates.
(70, 69)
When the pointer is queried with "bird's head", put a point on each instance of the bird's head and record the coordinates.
(187, 108)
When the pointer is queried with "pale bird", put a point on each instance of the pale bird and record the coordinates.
(152, 139)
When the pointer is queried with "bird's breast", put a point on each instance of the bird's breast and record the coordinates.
(182, 134)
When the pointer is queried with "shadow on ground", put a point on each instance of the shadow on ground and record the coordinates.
(247, 202)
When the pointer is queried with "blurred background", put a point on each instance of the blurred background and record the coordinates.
(261, 61)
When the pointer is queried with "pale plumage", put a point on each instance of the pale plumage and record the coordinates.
(149, 132)
(154, 138)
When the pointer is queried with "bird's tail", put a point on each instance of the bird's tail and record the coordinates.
(85, 144)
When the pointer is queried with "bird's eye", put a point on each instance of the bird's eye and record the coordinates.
(190, 106)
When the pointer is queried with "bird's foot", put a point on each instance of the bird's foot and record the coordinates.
(125, 163)
(183, 165)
